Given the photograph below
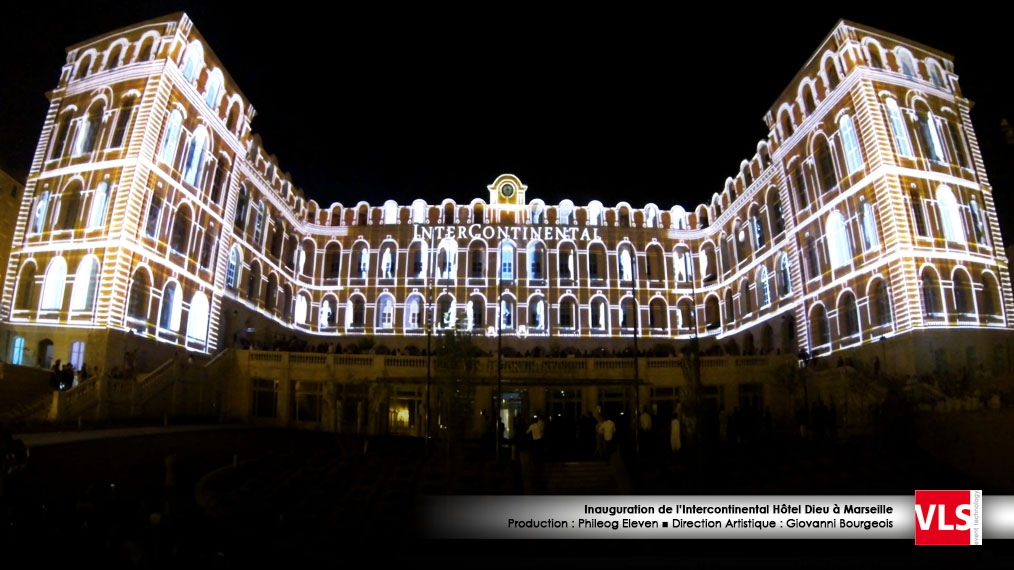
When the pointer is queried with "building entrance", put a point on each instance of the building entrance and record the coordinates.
(514, 413)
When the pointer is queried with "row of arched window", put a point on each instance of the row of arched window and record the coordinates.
(96, 128)
(169, 303)
(51, 300)
(71, 209)
(118, 53)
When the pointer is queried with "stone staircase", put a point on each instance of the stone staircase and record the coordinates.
(25, 394)
(576, 478)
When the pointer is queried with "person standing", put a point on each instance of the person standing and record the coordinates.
(675, 442)
(608, 431)
(538, 430)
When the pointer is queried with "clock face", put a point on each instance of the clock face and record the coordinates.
(507, 190)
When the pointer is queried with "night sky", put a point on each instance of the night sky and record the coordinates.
(436, 102)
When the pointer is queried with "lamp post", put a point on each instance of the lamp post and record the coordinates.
(429, 362)
(499, 360)
(637, 388)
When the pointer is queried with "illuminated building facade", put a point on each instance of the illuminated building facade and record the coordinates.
(153, 213)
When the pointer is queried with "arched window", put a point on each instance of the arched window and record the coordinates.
(684, 315)
(332, 261)
(53, 285)
(683, 265)
(848, 316)
(413, 308)
(977, 225)
(271, 293)
(193, 61)
(507, 261)
(86, 282)
(232, 271)
(385, 312)
(963, 296)
(26, 288)
(197, 319)
(172, 308)
(447, 259)
(934, 74)
(419, 212)
(876, 61)
(820, 332)
(599, 314)
(97, 216)
(880, 304)
(302, 309)
(171, 137)
(194, 164)
(445, 312)
(387, 268)
(253, 282)
(565, 261)
(179, 239)
(70, 203)
(537, 314)
(477, 257)
(566, 211)
(811, 257)
(808, 104)
(213, 88)
(784, 277)
(355, 313)
(505, 314)
(928, 135)
(537, 212)
(390, 212)
(850, 142)
(898, 129)
(242, 202)
(786, 121)
(328, 313)
(536, 260)
(990, 302)
(831, 71)
(799, 185)
(18, 350)
(758, 232)
(595, 213)
(838, 248)
(597, 269)
(906, 63)
(950, 215)
(122, 120)
(88, 132)
(730, 312)
(745, 300)
(765, 287)
(626, 269)
(656, 314)
(137, 302)
(870, 238)
(628, 313)
(932, 305)
(567, 313)
(361, 259)
(825, 165)
(474, 312)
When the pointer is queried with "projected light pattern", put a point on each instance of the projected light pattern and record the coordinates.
(865, 213)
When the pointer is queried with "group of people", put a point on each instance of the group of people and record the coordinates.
(64, 377)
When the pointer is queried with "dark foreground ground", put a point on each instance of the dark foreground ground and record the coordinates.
(241, 498)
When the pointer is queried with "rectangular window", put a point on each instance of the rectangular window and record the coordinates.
(306, 401)
(265, 398)
(917, 213)
(958, 144)
(154, 213)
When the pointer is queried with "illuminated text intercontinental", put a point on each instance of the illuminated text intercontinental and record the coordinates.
(154, 220)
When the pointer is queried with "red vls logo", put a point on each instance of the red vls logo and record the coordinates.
(948, 517)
